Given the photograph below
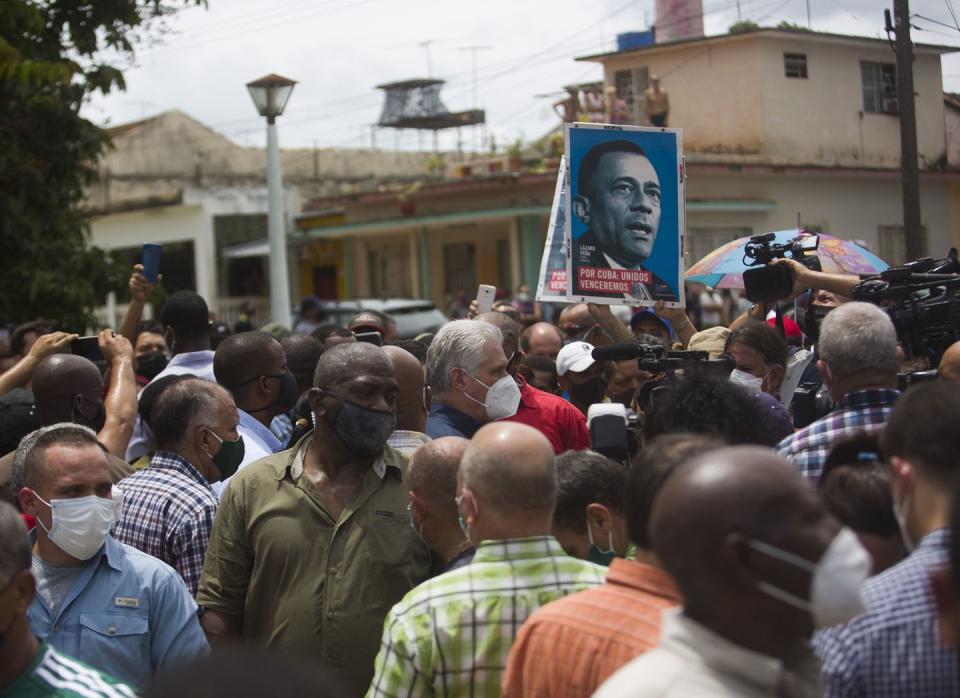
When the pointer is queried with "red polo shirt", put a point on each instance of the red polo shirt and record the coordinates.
(562, 423)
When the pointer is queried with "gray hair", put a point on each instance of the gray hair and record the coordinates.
(24, 458)
(182, 407)
(15, 553)
(858, 338)
(459, 344)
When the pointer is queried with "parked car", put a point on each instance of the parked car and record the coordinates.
(413, 316)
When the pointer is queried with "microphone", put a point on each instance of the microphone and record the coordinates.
(619, 351)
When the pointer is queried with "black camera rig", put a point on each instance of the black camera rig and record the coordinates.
(922, 299)
(768, 283)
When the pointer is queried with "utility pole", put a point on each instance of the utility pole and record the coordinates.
(909, 169)
(425, 45)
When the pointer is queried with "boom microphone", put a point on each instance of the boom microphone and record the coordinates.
(619, 351)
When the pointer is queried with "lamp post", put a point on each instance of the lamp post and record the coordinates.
(270, 95)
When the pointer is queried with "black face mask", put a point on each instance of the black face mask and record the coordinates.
(589, 393)
(812, 320)
(149, 365)
(362, 430)
(286, 395)
(96, 422)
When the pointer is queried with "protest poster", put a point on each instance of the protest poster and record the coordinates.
(624, 214)
(552, 286)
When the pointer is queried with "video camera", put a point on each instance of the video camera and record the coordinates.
(922, 299)
(765, 283)
(656, 359)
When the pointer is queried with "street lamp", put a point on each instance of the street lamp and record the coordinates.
(270, 95)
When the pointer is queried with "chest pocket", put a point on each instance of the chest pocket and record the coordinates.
(112, 640)
(388, 538)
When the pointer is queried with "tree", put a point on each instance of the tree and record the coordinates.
(51, 60)
(743, 26)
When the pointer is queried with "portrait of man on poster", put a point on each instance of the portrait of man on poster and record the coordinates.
(618, 199)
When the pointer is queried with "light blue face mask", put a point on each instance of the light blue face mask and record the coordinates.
(595, 554)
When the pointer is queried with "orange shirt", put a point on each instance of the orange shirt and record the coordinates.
(571, 646)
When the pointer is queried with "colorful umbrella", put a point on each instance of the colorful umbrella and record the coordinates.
(724, 267)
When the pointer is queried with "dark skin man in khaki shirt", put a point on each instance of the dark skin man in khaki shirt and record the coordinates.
(313, 546)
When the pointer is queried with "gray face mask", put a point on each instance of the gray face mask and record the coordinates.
(362, 430)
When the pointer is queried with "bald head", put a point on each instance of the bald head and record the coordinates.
(509, 328)
(345, 362)
(58, 380)
(541, 339)
(242, 358)
(411, 379)
(302, 352)
(432, 471)
(739, 493)
(510, 468)
(950, 363)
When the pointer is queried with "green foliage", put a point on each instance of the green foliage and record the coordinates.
(743, 26)
(51, 60)
(790, 26)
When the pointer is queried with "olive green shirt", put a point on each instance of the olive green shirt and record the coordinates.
(303, 580)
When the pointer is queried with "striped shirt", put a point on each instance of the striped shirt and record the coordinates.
(55, 675)
(893, 650)
(451, 635)
(571, 646)
(859, 410)
(168, 512)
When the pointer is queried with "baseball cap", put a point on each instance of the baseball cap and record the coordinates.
(365, 321)
(712, 340)
(791, 328)
(576, 357)
(646, 312)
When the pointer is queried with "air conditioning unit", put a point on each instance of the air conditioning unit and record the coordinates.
(890, 105)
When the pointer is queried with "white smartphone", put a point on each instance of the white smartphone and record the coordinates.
(485, 297)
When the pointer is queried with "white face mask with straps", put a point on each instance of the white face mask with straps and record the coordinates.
(503, 397)
(79, 526)
(836, 579)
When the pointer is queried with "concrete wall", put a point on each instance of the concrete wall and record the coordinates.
(851, 206)
(165, 224)
(821, 119)
(952, 121)
(734, 103)
(714, 91)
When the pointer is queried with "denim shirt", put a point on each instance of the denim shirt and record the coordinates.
(126, 614)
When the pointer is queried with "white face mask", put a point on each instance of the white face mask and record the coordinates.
(503, 397)
(79, 526)
(836, 579)
(749, 381)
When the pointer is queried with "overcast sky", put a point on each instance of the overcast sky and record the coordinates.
(339, 50)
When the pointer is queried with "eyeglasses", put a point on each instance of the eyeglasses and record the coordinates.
(573, 330)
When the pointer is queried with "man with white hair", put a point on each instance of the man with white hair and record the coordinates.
(467, 373)
(859, 364)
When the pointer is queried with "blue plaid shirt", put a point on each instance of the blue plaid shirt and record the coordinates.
(893, 650)
(168, 512)
(859, 410)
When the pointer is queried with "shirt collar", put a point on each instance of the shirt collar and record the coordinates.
(857, 399)
(527, 396)
(388, 458)
(111, 550)
(171, 461)
(518, 549)
(717, 652)
(643, 577)
(257, 429)
(188, 358)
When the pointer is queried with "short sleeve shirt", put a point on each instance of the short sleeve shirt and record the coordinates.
(303, 580)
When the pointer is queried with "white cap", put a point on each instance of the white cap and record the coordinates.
(576, 357)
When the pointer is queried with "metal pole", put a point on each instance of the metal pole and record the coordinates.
(809, 26)
(908, 132)
(279, 285)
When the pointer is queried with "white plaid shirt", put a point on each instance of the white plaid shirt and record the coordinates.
(168, 512)
(892, 651)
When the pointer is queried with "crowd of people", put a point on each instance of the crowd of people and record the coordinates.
(197, 511)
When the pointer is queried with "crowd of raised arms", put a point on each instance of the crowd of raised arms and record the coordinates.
(203, 510)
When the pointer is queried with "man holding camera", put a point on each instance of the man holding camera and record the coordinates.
(858, 361)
